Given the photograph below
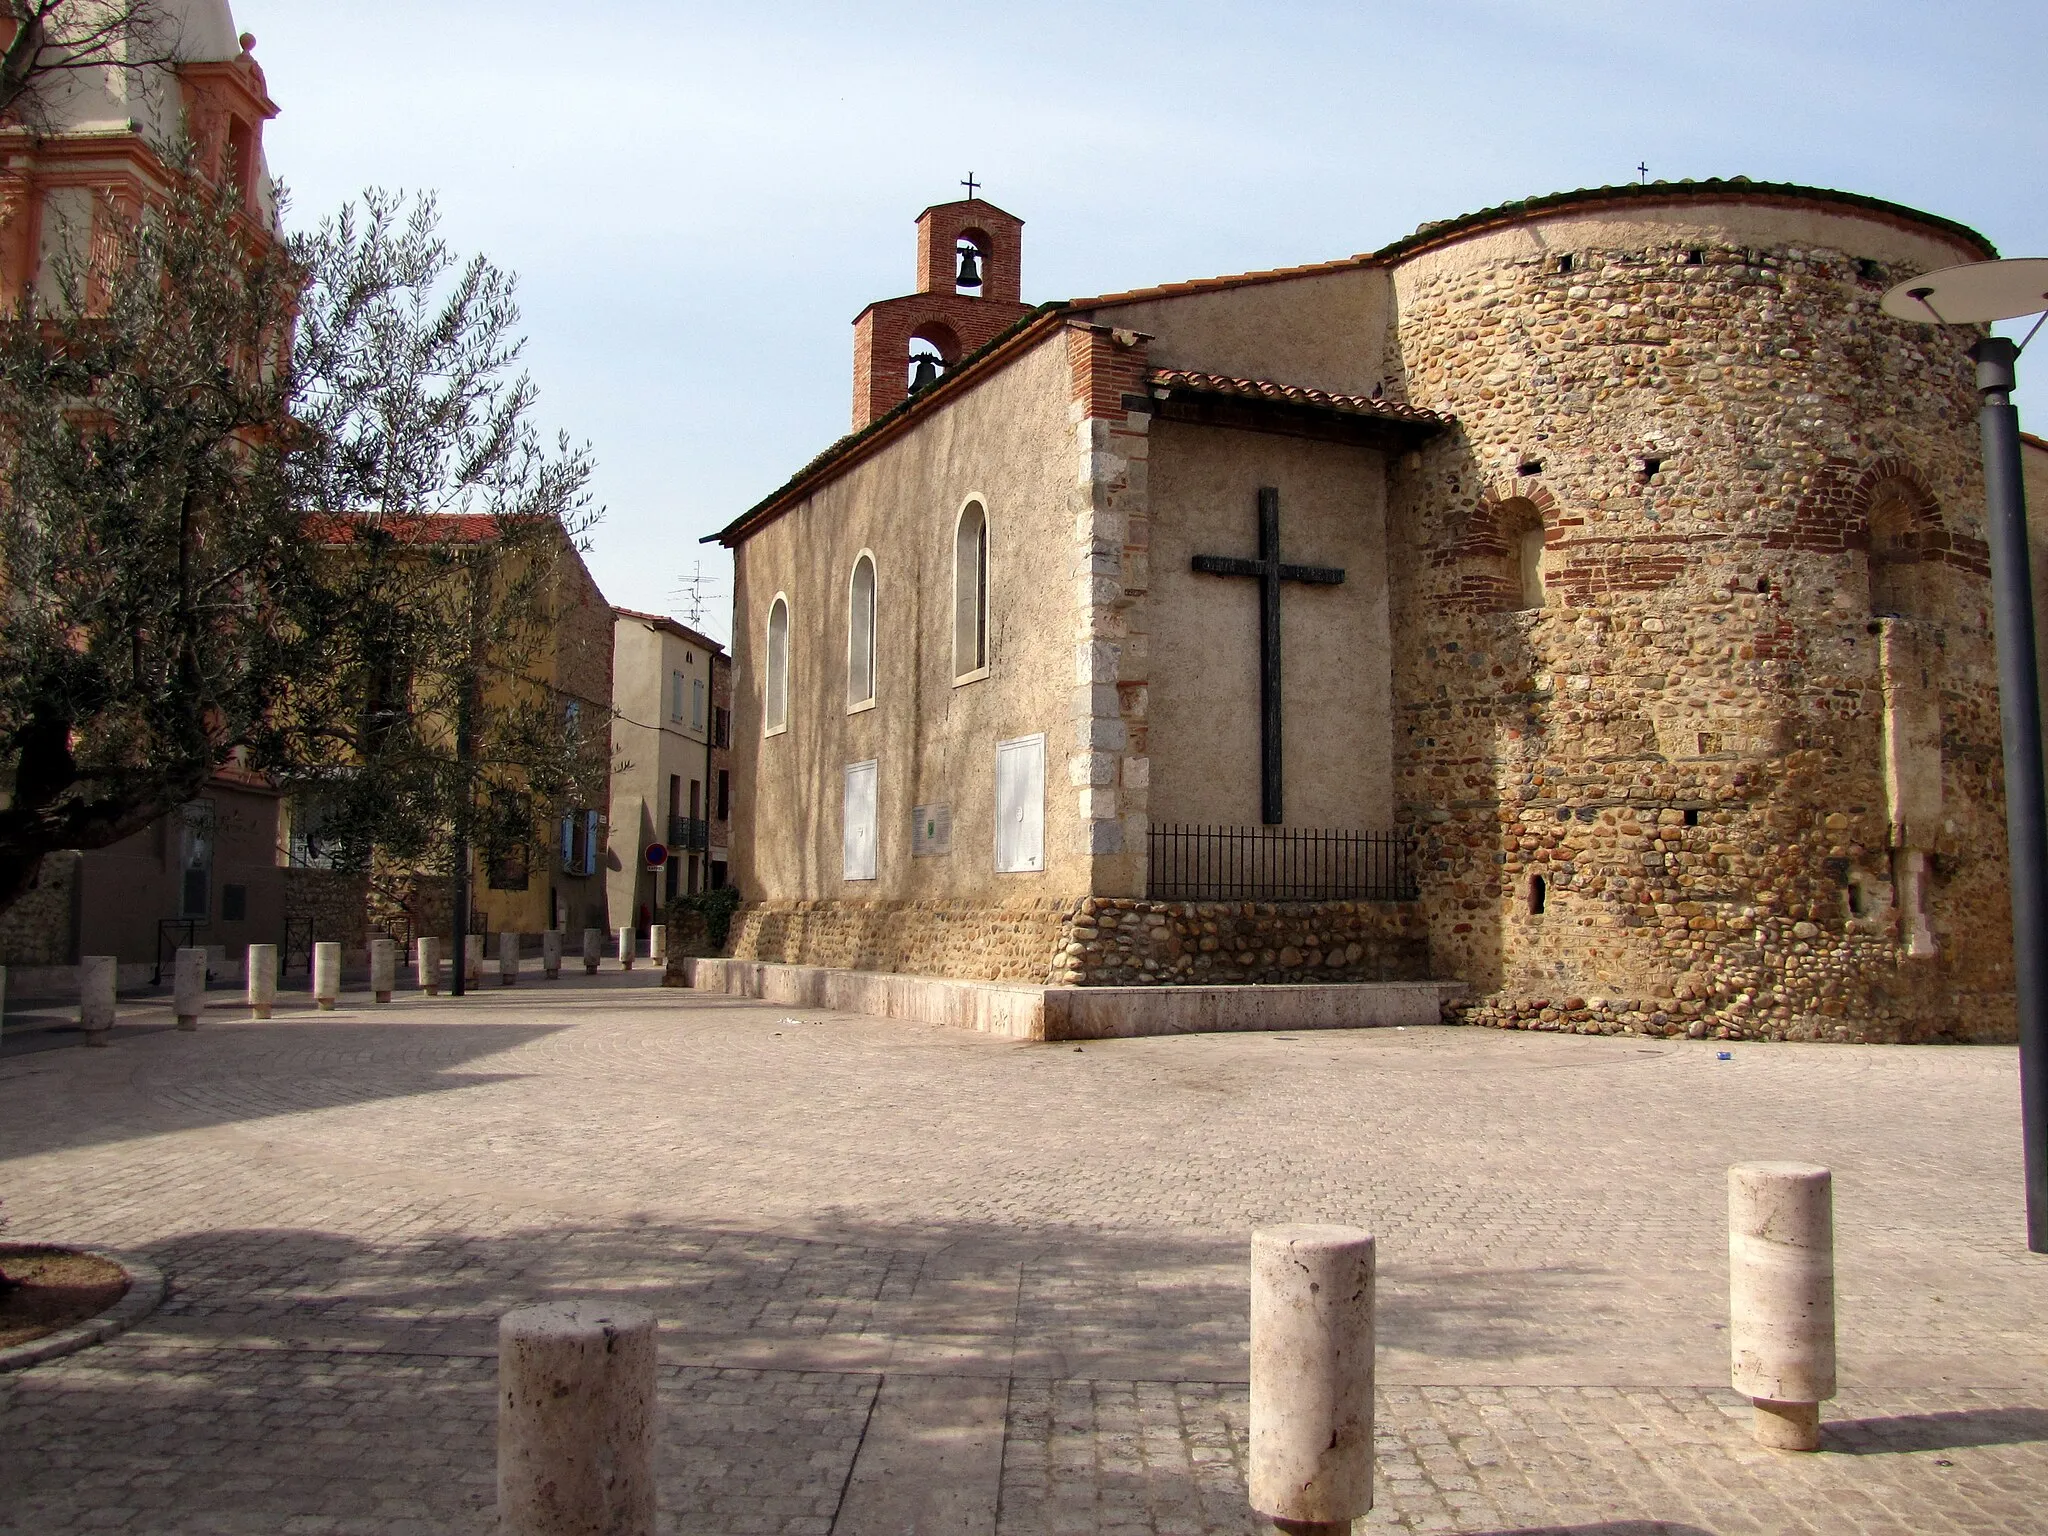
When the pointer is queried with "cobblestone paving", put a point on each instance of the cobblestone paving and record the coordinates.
(838, 1217)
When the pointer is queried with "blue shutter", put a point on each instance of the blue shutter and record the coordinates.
(590, 842)
(568, 845)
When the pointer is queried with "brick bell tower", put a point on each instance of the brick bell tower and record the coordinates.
(969, 257)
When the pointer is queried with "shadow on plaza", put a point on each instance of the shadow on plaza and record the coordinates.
(1934, 1431)
(1606, 1528)
(282, 1066)
(981, 1299)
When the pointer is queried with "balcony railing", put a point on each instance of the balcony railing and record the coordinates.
(689, 832)
(1210, 863)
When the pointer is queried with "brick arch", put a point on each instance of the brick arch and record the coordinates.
(1836, 516)
(1483, 547)
(941, 337)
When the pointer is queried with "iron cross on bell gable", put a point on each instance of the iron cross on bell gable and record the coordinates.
(1270, 573)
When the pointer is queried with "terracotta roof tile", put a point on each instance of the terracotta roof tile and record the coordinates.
(1293, 394)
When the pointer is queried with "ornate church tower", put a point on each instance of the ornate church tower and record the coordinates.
(969, 260)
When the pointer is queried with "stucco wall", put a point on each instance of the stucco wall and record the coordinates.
(649, 746)
(1324, 330)
(1203, 694)
(1007, 443)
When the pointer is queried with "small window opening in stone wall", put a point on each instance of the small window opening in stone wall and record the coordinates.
(1564, 263)
(1529, 567)
(1859, 898)
(1649, 465)
(1695, 257)
(1521, 528)
(1529, 467)
(1692, 816)
(1902, 579)
(1538, 893)
(1763, 586)
(1870, 271)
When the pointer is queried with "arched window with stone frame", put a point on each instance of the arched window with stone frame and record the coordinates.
(970, 592)
(775, 676)
(860, 633)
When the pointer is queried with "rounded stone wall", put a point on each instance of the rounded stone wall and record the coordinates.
(1699, 708)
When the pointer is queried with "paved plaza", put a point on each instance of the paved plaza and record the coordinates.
(920, 1280)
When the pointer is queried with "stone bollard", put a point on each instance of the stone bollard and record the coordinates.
(188, 986)
(1312, 1368)
(473, 955)
(1781, 1297)
(657, 944)
(508, 958)
(96, 977)
(593, 950)
(576, 1420)
(427, 965)
(551, 954)
(629, 946)
(262, 984)
(383, 969)
(326, 974)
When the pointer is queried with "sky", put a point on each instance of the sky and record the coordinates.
(698, 199)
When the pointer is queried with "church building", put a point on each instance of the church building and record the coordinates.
(1581, 604)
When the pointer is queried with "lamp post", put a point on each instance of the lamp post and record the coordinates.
(1976, 294)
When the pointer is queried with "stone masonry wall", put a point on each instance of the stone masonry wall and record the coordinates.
(1101, 941)
(1122, 943)
(958, 940)
(1663, 801)
(41, 928)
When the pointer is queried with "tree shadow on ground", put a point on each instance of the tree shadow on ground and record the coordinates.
(1605, 1528)
(337, 1065)
(1934, 1431)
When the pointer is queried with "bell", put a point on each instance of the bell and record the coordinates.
(970, 268)
(924, 372)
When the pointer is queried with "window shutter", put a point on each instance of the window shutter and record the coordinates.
(1020, 805)
(589, 843)
(696, 704)
(859, 822)
(569, 845)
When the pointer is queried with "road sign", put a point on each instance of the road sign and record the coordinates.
(657, 855)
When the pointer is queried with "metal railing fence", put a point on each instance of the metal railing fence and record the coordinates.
(1191, 862)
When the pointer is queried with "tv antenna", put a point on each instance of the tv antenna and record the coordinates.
(695, 592)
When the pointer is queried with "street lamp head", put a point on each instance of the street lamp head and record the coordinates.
(1975, 293)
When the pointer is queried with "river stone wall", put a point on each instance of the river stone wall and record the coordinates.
(1678, 795)
(1100, 941)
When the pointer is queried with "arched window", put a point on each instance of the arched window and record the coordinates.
(970, 592)
(1521, 526)
(775, 703)
(860, 634)
(1901, 574)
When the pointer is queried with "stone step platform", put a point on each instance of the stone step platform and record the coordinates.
(1021, 1011)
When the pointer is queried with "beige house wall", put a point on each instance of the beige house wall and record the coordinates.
(1004, 443)
(1203, 701)
(650, 744)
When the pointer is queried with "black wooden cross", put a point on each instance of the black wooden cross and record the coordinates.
(1270, 573)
